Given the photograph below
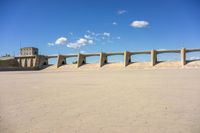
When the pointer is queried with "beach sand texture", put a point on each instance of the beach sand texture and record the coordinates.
(100, 101)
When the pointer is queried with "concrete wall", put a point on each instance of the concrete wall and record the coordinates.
(31, 62)
(8, 64)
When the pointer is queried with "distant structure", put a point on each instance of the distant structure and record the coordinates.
(29, 59)
(28, 51)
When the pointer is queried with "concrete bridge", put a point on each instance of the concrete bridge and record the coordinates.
(40, 61)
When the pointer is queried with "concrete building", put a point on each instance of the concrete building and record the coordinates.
(30, 59)
(28, 51)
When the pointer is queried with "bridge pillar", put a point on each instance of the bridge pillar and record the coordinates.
(127, 58)
(61, 60)
(81, 60)
(153, 57)
(103, 59)
(183, 56)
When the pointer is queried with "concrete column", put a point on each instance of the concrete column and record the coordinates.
(20, 62)
(25, 62)
(28, 62)
(36, 63)
(61, 60)
(81, 60)
(153, 57)
(127, 58)
(103, 59)
(183, 56)
(31, 63)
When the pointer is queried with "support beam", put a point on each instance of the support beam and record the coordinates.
(81, 60)
(127, 58)
(153, 57)
(183, 56)
(61, 60)
(103, 59)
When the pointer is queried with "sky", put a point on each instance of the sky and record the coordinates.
(89, 26)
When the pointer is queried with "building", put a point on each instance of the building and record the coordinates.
(28, 51)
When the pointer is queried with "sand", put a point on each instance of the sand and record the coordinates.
(100, 101)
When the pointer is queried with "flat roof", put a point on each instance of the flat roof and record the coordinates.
(29, 47)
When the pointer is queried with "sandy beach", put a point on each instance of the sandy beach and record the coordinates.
(100, 101)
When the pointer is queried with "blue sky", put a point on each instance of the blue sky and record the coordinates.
(71, 26)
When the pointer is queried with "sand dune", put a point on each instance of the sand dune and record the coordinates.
(133, 65)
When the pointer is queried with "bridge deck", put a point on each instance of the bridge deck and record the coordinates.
(168, 51)
(140, 52)
(193, 50)
(114, 53)
(91, 54)
(64, 55)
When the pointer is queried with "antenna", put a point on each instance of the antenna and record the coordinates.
(20, 43)
(20, 46)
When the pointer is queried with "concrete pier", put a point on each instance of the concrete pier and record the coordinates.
(61, 60)
(81, 60)
(127, 58)
(183, 56)
(103, 59)
(153, 57)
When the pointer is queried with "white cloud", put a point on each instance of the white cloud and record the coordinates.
(106, 34)
(82, 41)
(88, 37)
(139, 24)
(88, 31)
(51, 44)
(71, 33)
(114, 23)
(90, 41)
(120, 12)
(82, 52)
(61, 41)
(118, 37)
(79, 43)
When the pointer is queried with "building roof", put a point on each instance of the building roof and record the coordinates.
(28, 47)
